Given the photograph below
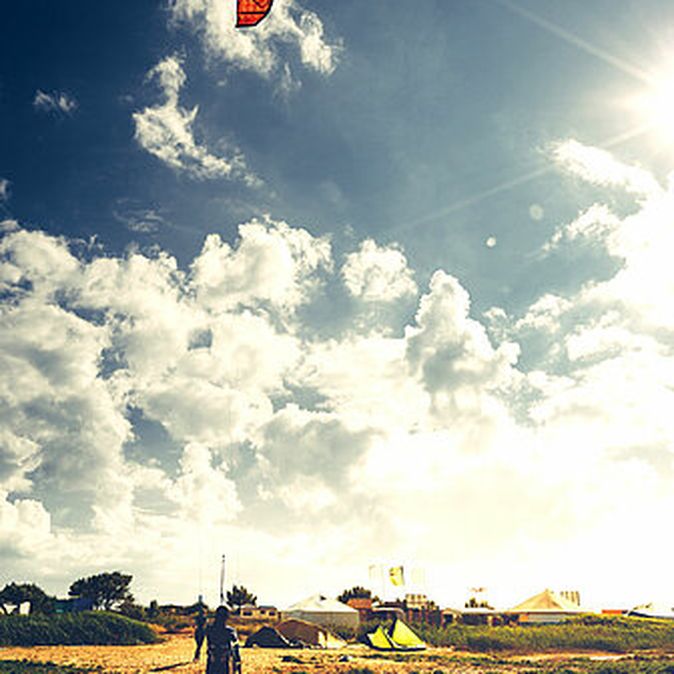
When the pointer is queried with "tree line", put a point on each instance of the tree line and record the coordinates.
(107, 591)
(111, 592)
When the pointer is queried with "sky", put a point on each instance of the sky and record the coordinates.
(372, 283)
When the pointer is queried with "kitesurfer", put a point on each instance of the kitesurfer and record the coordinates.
(223, 645)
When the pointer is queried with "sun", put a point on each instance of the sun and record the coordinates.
(655, 103)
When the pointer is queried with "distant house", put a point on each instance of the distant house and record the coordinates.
(389, 611)
(363, 605)
(545, 607)
(250, 612)
(449, 616)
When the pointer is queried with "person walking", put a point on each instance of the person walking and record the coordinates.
(199, 632)
(222, 645)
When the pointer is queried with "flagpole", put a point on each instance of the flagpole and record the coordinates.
(222, 582)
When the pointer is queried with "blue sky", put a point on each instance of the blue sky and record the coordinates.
(248, 276)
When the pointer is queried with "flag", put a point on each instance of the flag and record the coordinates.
(396, 575)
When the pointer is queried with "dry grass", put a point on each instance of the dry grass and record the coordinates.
(174, 655)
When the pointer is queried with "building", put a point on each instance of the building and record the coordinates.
(250, 612)
(545, 607)
(364, 607)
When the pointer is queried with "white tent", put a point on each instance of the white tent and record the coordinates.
(545, 607)
(323, 611)
(653, 610)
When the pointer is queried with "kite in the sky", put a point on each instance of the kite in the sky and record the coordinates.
(251, 12)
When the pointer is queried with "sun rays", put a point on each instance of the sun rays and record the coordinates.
(653, 109)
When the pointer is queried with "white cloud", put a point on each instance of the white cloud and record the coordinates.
(56, 102)
(4, 189)
(451, 352)
(601, 168)
(378, 274)
(274, 264)
(25, 526)
(166, 131)
(594, 225)
(259, 50)
(140, 220)
(429, 443)
(203, 490)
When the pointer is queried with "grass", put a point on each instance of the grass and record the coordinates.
(585, 633)
(94, 628)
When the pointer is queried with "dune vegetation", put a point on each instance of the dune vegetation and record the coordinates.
(94, 627)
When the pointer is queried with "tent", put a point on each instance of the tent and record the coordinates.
(399, 638)
(309, 634)
(545, 607)
(323, 611)
(267, 637)
(653, 610)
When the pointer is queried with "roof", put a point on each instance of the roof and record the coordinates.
(318, 603)
(546, 602)
(360, 602)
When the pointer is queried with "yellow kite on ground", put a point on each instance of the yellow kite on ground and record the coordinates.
(403, 636)
(399, 638)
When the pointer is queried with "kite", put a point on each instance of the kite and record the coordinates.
(251, 12)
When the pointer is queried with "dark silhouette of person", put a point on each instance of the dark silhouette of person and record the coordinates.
(223, 645)
(199, 632)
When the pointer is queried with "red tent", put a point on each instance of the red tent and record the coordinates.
(251, 12)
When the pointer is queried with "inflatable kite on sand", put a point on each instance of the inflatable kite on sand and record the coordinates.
(251, 12)
(398, 638)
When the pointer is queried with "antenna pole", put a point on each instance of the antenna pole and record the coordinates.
(222, 582)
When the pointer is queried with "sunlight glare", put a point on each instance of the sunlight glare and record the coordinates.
(656, 104)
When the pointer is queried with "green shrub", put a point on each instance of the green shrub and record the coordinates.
(585, 633)
(95, 628)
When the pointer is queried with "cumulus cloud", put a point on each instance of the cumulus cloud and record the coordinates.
(434, 442)
(378, 274)
(259, 50)
(601, 168)
(274, 263)
(167, 132)
(451, 352)
(56, 102)
(594, 225)
(24, 526)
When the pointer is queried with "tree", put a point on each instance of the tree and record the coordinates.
(356, 592)
(239, 596)
(40, 601)
(106, 590)
(474, 603)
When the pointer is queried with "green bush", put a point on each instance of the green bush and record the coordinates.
(585, 633)
(91, 627)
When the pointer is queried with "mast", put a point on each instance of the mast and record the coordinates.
(222, 582)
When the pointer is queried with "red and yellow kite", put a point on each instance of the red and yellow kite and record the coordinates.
(251, 12)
